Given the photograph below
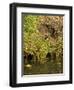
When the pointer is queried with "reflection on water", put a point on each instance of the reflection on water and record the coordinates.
(49, 67)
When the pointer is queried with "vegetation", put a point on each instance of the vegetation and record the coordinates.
(43, 41)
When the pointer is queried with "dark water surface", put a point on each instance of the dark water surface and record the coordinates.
(49, 67)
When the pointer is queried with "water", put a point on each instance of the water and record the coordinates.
(49, 67)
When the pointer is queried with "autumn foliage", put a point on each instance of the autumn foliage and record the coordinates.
(43, 35)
